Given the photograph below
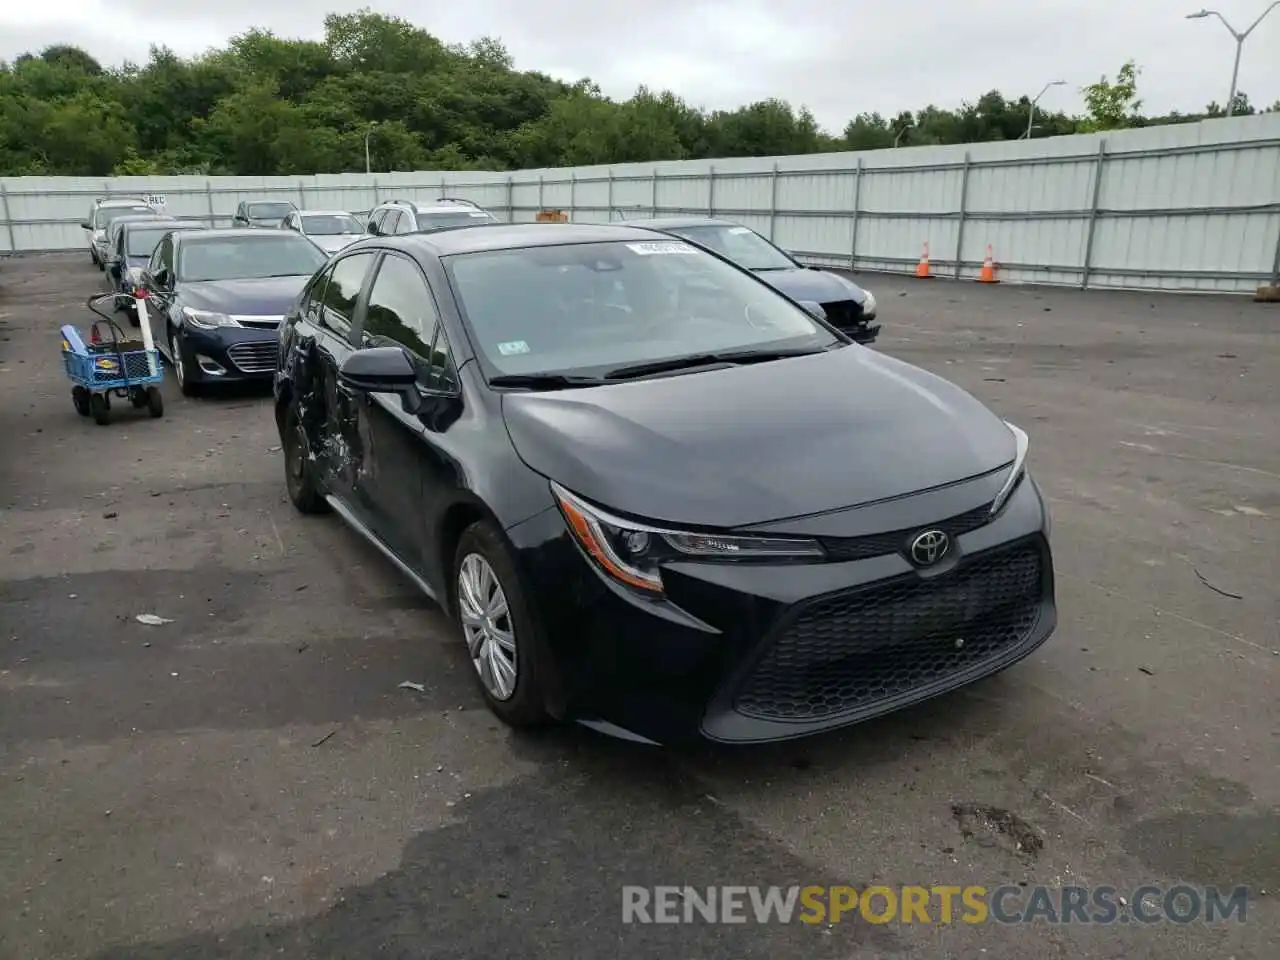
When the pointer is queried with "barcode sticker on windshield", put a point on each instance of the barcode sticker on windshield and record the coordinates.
(653, 247)
(739, 230)
(511, 348)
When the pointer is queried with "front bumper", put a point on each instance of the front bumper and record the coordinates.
(762, 652)
(230, 354)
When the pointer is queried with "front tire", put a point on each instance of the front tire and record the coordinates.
(181, 366)
(498, 626)
(300, 466)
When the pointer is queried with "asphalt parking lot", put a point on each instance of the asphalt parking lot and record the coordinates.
(249, 780)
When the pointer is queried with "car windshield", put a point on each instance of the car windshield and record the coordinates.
(269, 211)
(107, 214)
(248, 258)
(329, 224)
(452, 218)
(591, 307)
(142, 241)
(742, 245)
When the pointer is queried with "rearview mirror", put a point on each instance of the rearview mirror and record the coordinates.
(814, 308)
(382, 370)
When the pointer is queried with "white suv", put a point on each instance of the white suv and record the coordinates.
(101, 214)
(404, 216)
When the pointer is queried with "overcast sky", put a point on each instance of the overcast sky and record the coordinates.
(838, 57)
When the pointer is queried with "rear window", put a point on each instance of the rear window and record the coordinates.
(142, 242)
(105, 215)
(453, 218)
(270, 211)
(330, 224)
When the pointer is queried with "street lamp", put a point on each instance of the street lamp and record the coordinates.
(1031, 115)
(1240, 38)
(369, 169)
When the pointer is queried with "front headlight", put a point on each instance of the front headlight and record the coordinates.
(1019, 470)
(633, 553)
(207, 319)
(869, 305)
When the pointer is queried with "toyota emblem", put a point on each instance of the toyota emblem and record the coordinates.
(930, 547)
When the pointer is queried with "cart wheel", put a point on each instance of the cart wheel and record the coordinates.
(100, 409)
(155, 402)
(139, 398)
(80, 397)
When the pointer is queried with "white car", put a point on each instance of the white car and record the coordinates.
(101, 214)
(330, 230)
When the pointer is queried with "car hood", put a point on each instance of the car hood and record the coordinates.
(268, 296)
(759, 443)
(817, 286)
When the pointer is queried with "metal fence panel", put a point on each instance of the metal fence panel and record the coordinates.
(1188, 206)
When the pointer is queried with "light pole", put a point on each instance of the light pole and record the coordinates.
(1240, 38)
(369, 168)
(1031, 114)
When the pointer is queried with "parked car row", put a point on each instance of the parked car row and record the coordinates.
(646, 467)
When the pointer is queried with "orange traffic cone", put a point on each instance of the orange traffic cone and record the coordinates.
(988, 272)
(922, 268)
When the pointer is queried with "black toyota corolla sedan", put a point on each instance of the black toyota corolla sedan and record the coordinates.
(657, 496)
(215, 299)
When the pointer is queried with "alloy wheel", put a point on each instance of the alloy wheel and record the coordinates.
(175, 351)
(487, 626)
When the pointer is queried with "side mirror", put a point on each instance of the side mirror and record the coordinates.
(814, 308)
(163, 279)
(86, 225)
(382, 370)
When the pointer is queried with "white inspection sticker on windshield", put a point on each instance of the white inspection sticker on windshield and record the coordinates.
(739, 230)
(652, 247)
(512, 347)
(477, 213)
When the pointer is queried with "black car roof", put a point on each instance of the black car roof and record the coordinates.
(669, 223)
(168, 223)
(256, 233)
(513, 236)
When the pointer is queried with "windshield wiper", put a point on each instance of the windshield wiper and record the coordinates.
(707, 359)
(543, 381)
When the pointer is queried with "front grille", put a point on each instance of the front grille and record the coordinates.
(896, 541)
(258, 323)
(851, 651)
(255, 356)
(843, 313)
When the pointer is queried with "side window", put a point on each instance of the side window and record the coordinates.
(402, 312)
(443, 376)
(375, 221)
(389, 225)
(338, 305)
(158, 256)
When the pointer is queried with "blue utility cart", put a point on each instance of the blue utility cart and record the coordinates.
(112, 363)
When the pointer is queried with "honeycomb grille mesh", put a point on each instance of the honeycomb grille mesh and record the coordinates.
(850, 651)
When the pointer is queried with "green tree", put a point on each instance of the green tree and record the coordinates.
(1113, 105)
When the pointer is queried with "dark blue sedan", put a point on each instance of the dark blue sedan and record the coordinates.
(845, 304)
(215, 299)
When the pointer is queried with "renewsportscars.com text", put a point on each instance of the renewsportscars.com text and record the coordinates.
(934, 904)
